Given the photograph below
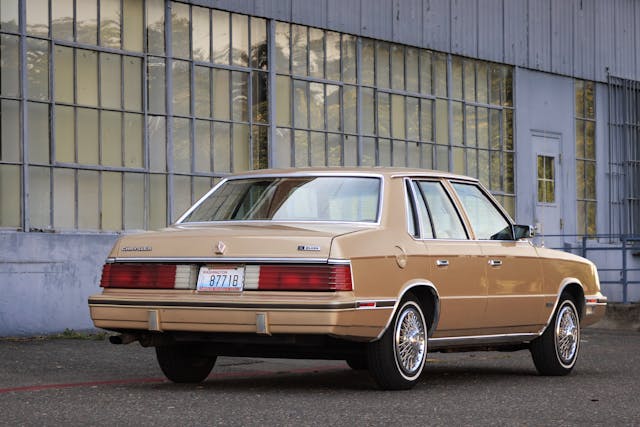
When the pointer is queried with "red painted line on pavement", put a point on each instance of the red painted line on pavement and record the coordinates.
(162, 380)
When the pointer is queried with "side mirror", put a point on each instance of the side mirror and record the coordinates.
(523, 232)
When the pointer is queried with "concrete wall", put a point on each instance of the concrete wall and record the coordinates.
(45, 280)
(581, 38)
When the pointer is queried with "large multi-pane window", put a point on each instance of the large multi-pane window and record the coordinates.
(118, 114)
(585, 156)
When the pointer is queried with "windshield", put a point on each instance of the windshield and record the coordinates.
(350, 199)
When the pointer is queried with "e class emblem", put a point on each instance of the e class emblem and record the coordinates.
(220, 248)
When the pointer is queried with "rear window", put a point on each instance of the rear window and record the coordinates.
(345, 199)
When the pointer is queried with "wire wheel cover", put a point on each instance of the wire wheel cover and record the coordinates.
(567, 334)
(410, 340)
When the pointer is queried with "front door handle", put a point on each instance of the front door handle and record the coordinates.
(442, 262)
(495, 262)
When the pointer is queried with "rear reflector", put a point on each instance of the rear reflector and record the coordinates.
(305, 278)
(138, 276)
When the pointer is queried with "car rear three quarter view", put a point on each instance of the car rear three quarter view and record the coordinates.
(372, 266)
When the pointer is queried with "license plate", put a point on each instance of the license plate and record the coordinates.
(226, 279)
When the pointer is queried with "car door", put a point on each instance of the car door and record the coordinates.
(454, 263)
(513, 270)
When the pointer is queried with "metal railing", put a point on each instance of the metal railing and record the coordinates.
(585, 245)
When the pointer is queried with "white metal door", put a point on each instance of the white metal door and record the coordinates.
(548, 215)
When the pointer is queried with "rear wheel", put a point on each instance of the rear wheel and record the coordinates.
(396, 360)
(555, 352)
(184, 364)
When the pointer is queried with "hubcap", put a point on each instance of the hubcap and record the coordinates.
(410, 340)
(567, 334)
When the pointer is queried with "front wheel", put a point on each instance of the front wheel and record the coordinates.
(555, 352)
(184, 364)
(396, 360)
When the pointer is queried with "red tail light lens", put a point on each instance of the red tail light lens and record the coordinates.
(305, 278)
(138, 276)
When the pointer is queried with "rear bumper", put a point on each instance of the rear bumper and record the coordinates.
(333, 315)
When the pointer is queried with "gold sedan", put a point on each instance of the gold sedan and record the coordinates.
(373, 266)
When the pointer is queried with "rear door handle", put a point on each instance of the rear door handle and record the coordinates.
(495, 262)
(442, 263)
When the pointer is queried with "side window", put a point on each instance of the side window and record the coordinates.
(420, 213)
(486, 220)
(444, 219)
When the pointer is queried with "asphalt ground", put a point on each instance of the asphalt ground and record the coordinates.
(88, 382)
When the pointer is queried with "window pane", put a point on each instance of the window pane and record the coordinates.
(590, 141)
(221, 94)
(62, 19)
(425, 72)
(259, 57)
(368, 112)
(9, 15)
(333, 108)
(38, 69)
(486, 220)
(456, 77)
(301, 148)
(9, 65)
(382, 65)
(299, 46)
(133, 201)
(65, 134)
(495, 83)
(440, 74)
(133, 140)
(300, 117)
(156, 88)
(202, 89)
(384, 118)
(283, 101)
(413, 57)
(38, 132)
(132, 25)
(63, 74)
(37, 17)
(384, 152)
(180, 31)
(111, 131)
(202, 142)
(155, 26)
(350, 150)
(110, 84)
(496, 173)
(580, 180)
(10, 131)
(260, 147)
(399, 153)
(482, 83)
(260, 97)
(110, 23)
(469, 68)
(87, 77)
(111, 213)
(590, 180)
(64, 198)
(181, 88)
(316, 107)
(333, 55)
(589, 100)
(316, 53)
(350, 101)
(446, 222)
(426, 119)
(470, 127)
(240, 40)
(10, 187)
(318, 149)
(221, 37)
(413, 118)
(397, 67)
(282, 149)
(426, 156)
(240, 148)
(132, 83)
(181, 195)
(240, 96)
(157, 144)
(334, 149)
(200, 35)
(221, 147)
(181, 146)
(368, 152)
(483, 127)
(349, 53)
(442, 122)
(368, 55)
(457, 123)
(87, 136)
(88, 202)
(494, 129)
(397, 116)
(40, 198)
(157, 201)
(282, 47)
(87, 21)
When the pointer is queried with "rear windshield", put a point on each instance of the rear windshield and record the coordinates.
(350, 199)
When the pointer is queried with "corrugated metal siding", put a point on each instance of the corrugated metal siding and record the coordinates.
(579, 38)
(491, 30)
(464, 27)
(562, 37)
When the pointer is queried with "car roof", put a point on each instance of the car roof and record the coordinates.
(388, 172)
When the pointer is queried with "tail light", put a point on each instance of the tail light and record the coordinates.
(138, 276)
(305, 278)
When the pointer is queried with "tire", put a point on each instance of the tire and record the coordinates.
(182, 363)
(357, 362)
(555, 352)
(389, 367)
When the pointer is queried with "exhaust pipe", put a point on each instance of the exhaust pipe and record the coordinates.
(122, 339)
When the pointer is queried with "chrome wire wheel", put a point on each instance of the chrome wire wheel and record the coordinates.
(567, 334)
(410, 342)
